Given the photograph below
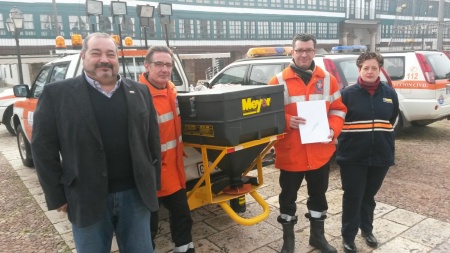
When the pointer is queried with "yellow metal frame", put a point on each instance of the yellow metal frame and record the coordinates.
(201, 195)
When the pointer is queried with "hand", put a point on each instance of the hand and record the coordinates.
(62, 208)
(295, 121)
(331, 136)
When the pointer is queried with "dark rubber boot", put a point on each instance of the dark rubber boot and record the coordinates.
(317, 235)
(288, 235)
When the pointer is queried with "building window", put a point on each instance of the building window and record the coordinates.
(276, 30)
(104, 24)
(248, 3)
(312, 4)
(219, 2)
(28, 25)
(235, 29)
(263, 29)
(300, 27)
(127, 27)
(48, 26)
(288, 30)
(203, 29)
(289, 4)
(332, 5)
(323, 5)
(352, 8)
(385, 5)
(276, 3)
(219, 29)
(263, 3)
(323, 30)
(332, 30)
(311, 28)
(249, 30)
(185, 28)
(234, 2)
(2, 25)
(78, 25)
(203, 1)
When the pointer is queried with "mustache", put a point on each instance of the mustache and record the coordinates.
(102, 65)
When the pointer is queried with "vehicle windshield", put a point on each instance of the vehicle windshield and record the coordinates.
(350, 72)
(440, 64)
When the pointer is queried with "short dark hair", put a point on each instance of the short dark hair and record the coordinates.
(153, 49)
(368, 56)
(84, 48)
(304, 37)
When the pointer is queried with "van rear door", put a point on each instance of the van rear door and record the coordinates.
(439, 66)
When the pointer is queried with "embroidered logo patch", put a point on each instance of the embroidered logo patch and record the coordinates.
(387, 100)
(319, 87)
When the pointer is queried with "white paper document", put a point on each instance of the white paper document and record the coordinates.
(316, 128)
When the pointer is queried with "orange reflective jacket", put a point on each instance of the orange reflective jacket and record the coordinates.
(292, 155)
(173, 177)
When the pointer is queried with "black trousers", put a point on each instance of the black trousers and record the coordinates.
(360, 185)
(179, 218)
(290, 183)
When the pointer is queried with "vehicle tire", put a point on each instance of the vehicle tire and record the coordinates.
(398, 126)
(7, 120)
(420, 123)
(24, 148)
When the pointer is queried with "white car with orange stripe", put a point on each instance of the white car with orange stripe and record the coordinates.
(7, 100)
(421, 79)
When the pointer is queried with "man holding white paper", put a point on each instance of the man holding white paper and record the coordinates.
(304, 152)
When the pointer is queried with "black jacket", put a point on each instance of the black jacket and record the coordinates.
(64, 123)
(367, 137)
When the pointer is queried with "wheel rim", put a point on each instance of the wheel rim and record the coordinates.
(22, 144)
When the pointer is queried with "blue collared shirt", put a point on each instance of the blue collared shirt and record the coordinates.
(98, 87)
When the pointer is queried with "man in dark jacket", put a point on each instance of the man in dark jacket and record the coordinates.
(105, 130)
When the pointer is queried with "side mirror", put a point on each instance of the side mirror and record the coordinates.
(21, 90)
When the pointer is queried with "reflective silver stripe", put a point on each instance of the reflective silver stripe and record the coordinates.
(170, 144)
(315, 97)
(295, 99)
(165, 117)
(316, 214)
(337, 113)
(183, 248)
(287, 217)
(286, 92)
(326, 84)
(335, 96)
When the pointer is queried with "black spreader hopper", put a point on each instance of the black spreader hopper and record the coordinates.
(229, 116)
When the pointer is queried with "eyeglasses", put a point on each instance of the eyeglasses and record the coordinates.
(160, 64)
(307, 51)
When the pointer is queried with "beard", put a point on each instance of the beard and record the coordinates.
(101, 73)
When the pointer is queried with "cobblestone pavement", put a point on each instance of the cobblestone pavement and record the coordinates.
(26, 226)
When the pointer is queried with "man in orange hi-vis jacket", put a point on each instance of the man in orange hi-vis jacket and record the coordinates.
(158, 64)
(304, 81)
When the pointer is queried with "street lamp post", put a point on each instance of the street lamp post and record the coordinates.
(165, 11)
(14, 24)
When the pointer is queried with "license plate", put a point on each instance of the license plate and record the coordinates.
(201, 169)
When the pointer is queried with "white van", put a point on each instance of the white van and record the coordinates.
(421, 79)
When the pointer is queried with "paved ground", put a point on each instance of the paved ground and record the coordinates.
(26, 226)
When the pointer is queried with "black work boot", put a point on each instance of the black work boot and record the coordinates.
(288, 235)
(317, 235)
